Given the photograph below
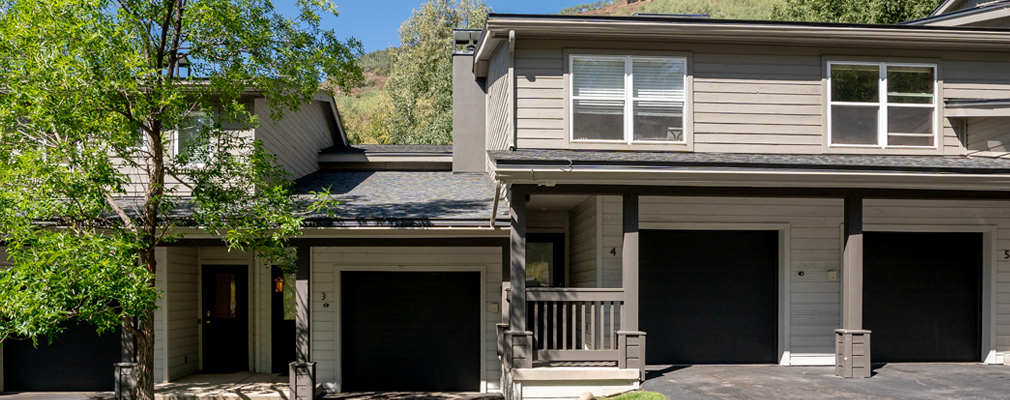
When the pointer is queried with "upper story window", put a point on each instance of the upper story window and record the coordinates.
(188, 140)
(884, 105)
(628, 99)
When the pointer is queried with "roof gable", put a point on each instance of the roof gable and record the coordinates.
(949, 6)
(969, 13)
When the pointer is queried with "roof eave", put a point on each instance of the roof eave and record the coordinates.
(944, 7)
(747, 177)
(729, 31)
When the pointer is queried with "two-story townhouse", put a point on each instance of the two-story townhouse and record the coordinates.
(745, 192)
(676, 191)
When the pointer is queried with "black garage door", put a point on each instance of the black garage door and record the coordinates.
(922, 296)
(709, 297)
(78, 360)
(411, 331)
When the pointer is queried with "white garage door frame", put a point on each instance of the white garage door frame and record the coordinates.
(338, 310)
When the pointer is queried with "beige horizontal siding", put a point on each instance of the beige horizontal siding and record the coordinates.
(989, 134)
(740, 91)
(500, 90)
(541, 111)
(183, 311)
(160, 329)
(327, 261)
(582, 241)
(297, 138)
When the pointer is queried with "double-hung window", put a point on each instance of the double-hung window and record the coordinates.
(627, 99)
(884, 105)
(189, 140)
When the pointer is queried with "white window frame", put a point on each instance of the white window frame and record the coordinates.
(882, 104)
(176, 142)
(629, 99)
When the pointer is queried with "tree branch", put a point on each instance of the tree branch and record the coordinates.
(122, 213)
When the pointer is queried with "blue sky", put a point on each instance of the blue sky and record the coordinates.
(376, 22)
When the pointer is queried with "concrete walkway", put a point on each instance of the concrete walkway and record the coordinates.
(413, 396)
(240, 385)
(892, 381)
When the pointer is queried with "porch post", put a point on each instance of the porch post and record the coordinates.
(630, 341)
(302, 372)
(302, 302)
(517, 338)
(629, 263)
(852, 343)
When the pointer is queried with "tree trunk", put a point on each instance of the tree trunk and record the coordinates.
(145, 335)
(145, 357)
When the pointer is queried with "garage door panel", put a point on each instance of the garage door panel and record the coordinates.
(78, 360)
(411, 331)
(709, 296)
(922, 296)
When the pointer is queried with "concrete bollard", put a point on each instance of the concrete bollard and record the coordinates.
(126, 381)
(302, 380)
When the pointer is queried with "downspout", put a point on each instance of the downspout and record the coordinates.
(512, 81)
(494, 206)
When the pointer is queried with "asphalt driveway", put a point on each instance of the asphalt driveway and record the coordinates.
(892, 381)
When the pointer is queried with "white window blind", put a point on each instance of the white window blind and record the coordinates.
(628, 99)
(599, 77)
(658, 78)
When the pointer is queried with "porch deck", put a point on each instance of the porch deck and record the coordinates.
(240, 385)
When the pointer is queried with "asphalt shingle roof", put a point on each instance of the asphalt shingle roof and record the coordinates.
(974, 165)
(401, 198)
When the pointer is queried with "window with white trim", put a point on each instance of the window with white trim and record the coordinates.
(627, 99)
(189, 141)
(884, 105)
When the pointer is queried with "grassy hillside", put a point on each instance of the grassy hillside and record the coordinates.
(723, 9)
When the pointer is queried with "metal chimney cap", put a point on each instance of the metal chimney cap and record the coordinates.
(466, 36)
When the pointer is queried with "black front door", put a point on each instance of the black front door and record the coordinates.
(225, 318)
(709, 297)
(282, 320)
(922, 295)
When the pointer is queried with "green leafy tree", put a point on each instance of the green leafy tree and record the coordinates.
(854, 11)
(420, 85)
(90, 99)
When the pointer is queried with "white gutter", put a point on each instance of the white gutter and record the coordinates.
(494, 206)
(714, 177)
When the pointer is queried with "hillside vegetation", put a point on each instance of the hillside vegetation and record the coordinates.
(359, 104)
(723, 9)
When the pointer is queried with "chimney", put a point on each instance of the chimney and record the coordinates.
(468, 114)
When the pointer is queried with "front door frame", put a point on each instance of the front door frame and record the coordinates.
(784, 264)
(338, 315)
(252, 308)
(989, 274)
